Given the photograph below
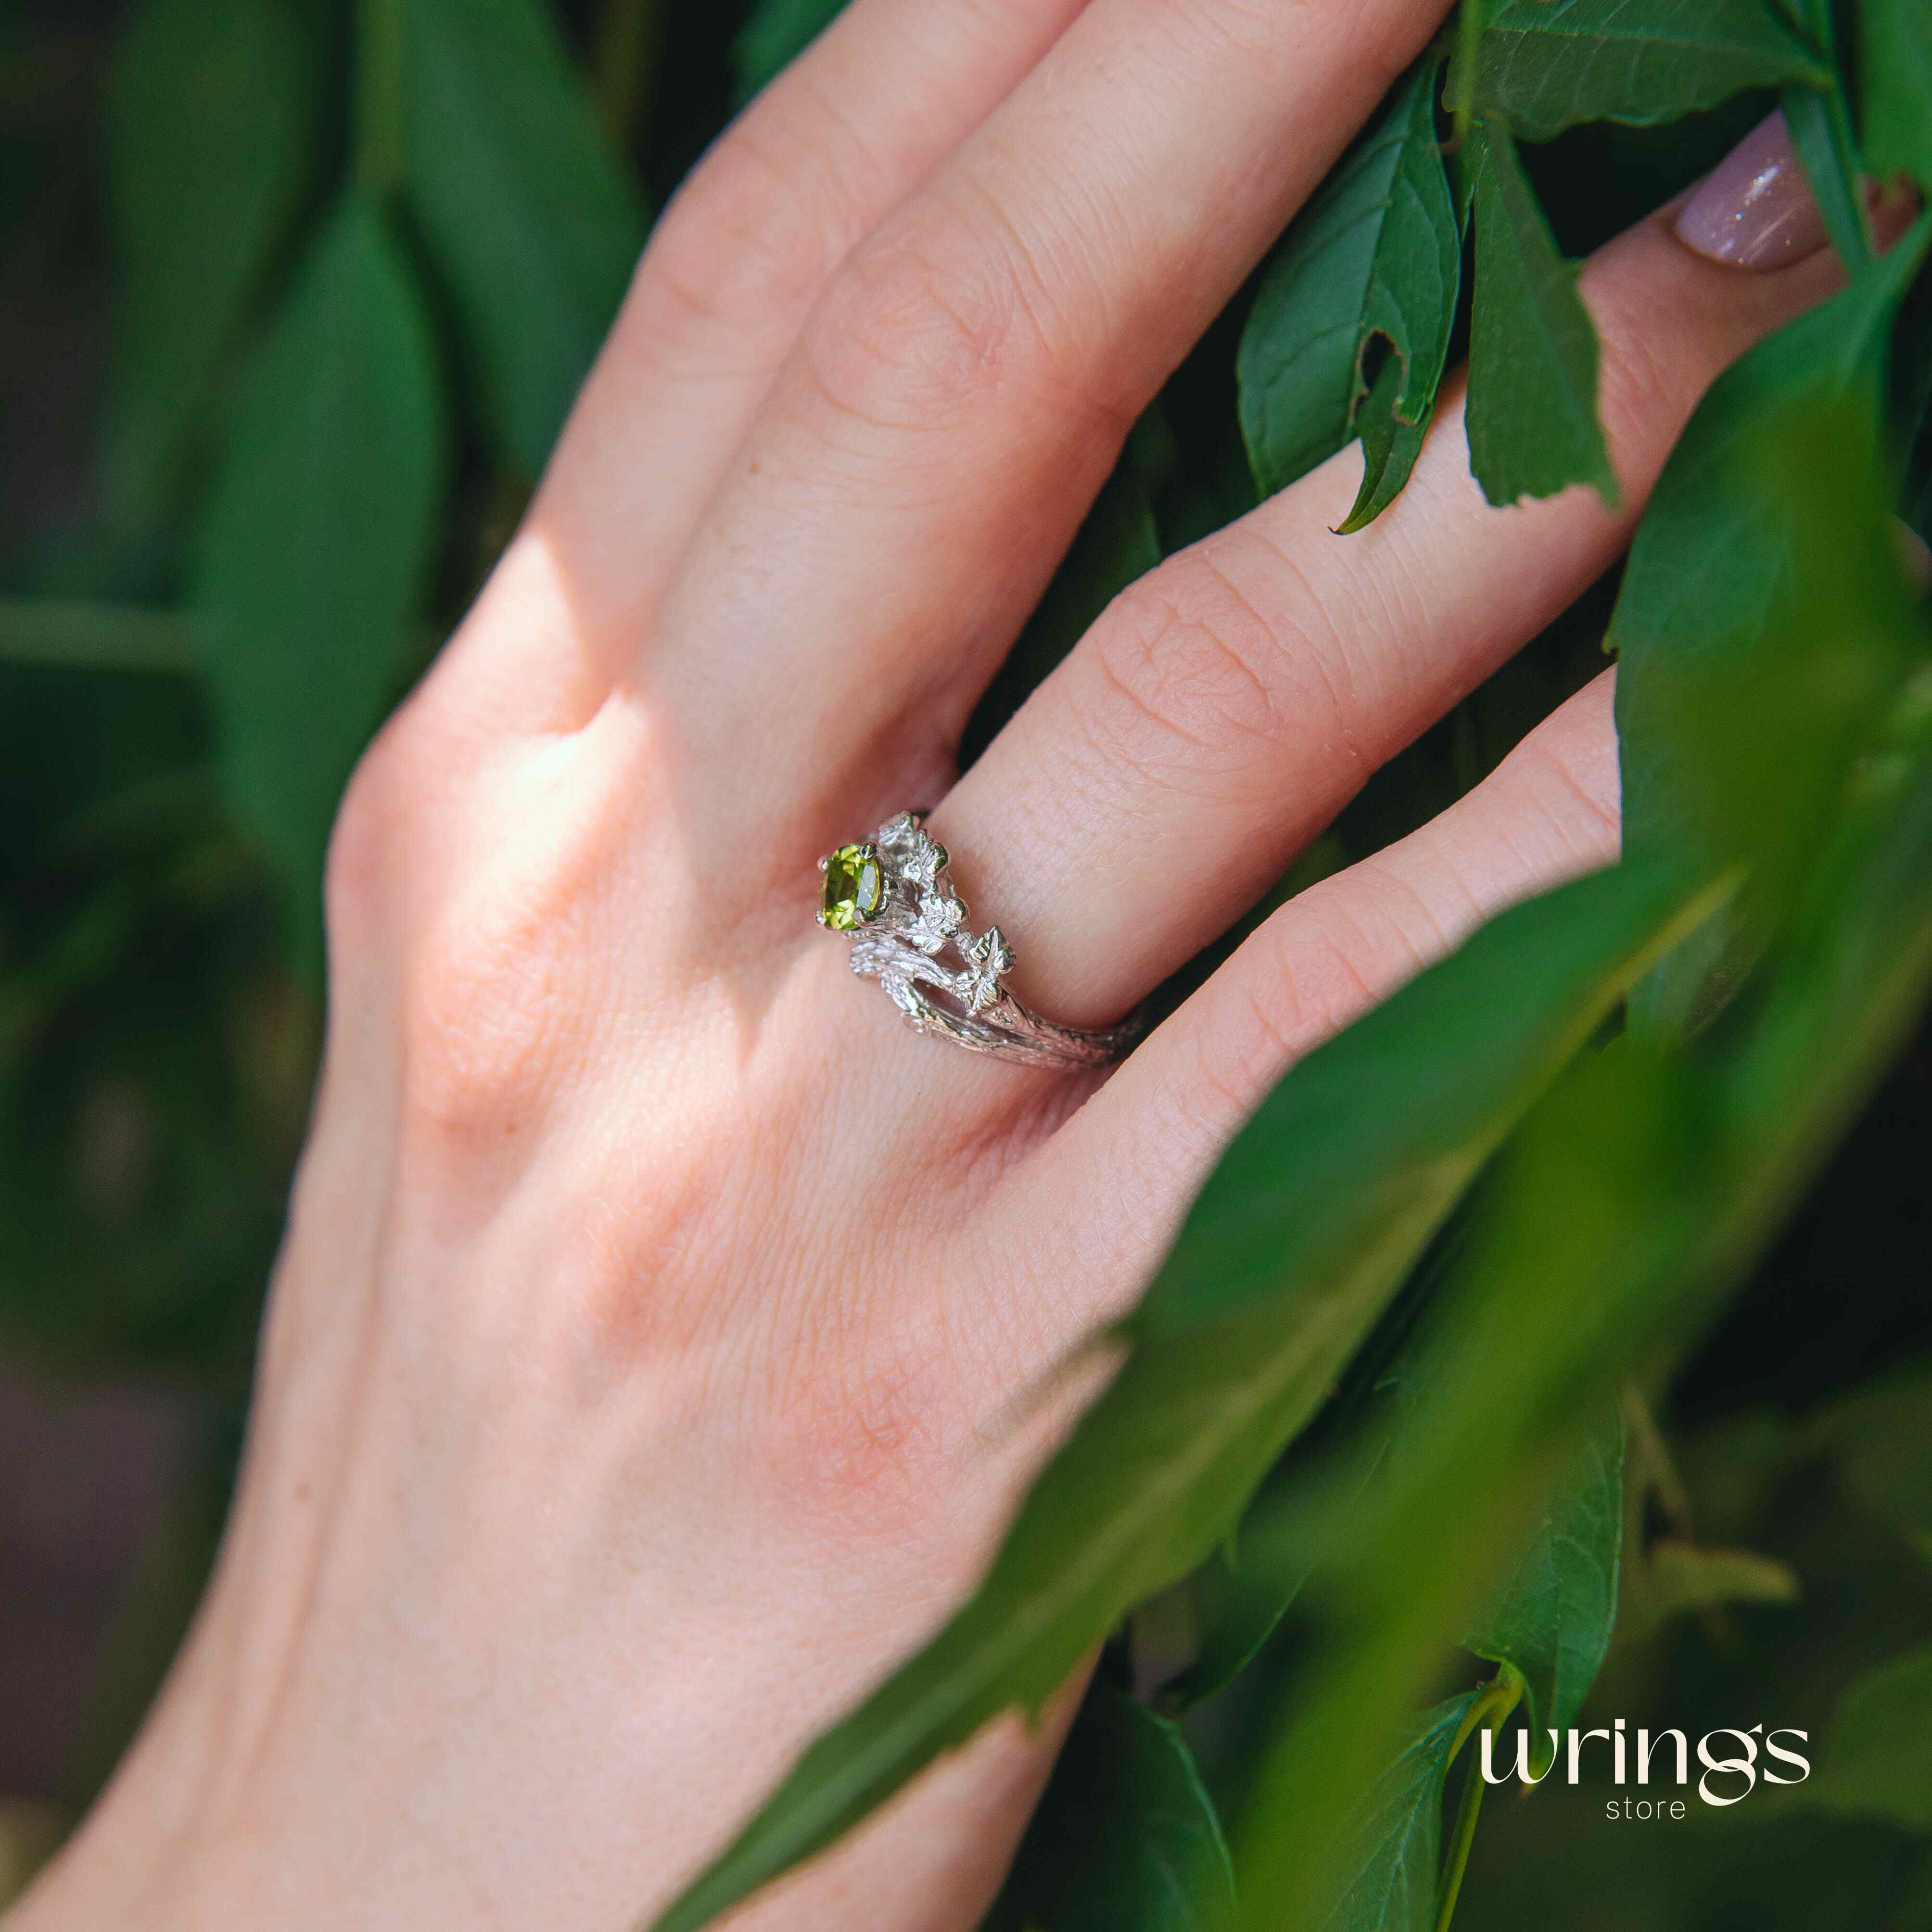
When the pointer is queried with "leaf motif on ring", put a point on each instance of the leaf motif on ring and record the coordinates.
(937, 920)
(988, 958)
(924, 859)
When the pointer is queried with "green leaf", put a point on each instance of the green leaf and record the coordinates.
(1552, 1615)
(1239, 1596)
(1820, 122)
(1639, 1190)
(1821, 136)
(1532, 408)
(1125, 1838)
(1235, 1610)
(1392, 1853)
(1679, 1576)
(95, 637)
(528, 213)
(1390, 447)
(317, 542)
(1744, 574)
(1311, 1222)
(1377, 256)
(1549, 65)
(211, 127)
(1879, 1436)
(777, 33)
(1627, 1203)
(1875, 1763)
(1897, 64)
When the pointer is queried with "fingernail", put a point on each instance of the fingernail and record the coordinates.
(1754, 209)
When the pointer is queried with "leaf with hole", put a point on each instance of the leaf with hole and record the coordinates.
(1373, 263)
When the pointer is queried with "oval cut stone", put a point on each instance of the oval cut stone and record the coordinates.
(854, 888)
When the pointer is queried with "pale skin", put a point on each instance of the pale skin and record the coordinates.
(642, 1373)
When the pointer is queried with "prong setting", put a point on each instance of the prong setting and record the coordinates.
(909, 931)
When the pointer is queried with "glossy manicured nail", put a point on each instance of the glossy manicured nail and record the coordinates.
(1754, 209)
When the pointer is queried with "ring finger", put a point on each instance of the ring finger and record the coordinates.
(1223, 709)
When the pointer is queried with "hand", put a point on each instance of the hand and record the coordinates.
(642, 1371)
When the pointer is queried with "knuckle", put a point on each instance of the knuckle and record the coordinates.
(1315, 983)
(1191, 675)
(737, 247)
(1319, 964)
(923, 324)
(473, 1045)
(1588, 810)
(500, 990)
(480, 1010)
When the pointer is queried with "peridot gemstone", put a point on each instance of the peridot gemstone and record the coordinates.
(854, 888)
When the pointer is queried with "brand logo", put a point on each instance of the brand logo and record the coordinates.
(1731, 1771)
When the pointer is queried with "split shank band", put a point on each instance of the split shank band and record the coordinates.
(894, 896)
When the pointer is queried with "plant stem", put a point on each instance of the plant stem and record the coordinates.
(1820, 125)
(1487, 1713)
(1463, 1837)
(1462, 73)
(381, 106)
(1821, 132)
(625, 65)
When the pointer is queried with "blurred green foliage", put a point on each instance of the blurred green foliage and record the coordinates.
(297, 294)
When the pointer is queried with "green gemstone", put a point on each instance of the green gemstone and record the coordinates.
(854, 888)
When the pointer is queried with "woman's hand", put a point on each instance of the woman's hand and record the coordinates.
(641, 1369)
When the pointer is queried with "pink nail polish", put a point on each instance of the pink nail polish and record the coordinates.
(1754, 210)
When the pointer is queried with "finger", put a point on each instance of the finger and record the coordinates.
(964, 384)
(734, 265)
(1549, 812)
(1225, 709)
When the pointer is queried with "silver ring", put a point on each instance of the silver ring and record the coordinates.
(894, 896)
